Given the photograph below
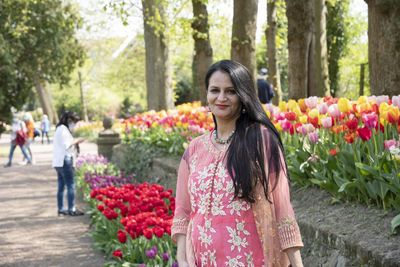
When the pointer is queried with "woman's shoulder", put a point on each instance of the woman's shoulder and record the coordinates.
(198, 142)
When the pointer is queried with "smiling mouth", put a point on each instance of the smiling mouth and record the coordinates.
(222, 106)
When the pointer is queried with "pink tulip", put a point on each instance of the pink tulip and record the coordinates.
(311, 102)
(334, 111)
(302, 129)
(285, 124)
(390, 143)
(323, 108)
(382, 98)
(326, 122)
(370, 119)
(396, 101)
(310, 128)
(313, 137)
(313, 158)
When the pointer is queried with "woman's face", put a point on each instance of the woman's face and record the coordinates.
(222, 99)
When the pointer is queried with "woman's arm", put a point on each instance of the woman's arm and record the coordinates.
(181, 254)
(77, 141)
(294, 257)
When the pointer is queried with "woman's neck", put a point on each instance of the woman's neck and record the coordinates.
(225, 128)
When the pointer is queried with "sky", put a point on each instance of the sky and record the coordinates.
(108, 25)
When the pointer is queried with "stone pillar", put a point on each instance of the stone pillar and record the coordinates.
(107, 139)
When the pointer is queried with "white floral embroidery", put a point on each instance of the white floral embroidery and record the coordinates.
(193, 164)
(249, 259)
(203, 258)
(237, 241)
(217, 207)
(207, 225)
(237, 206)
(229, 188)
(204, 238)
(219, 185)
(234, 262)
(204, 185)
(203, 205)
(212, 258)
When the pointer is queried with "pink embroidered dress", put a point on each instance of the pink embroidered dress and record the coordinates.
(222, 231)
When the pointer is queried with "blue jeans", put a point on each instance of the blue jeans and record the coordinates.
(12, 148)
(65, 176)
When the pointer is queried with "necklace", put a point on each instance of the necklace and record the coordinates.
(222, 141)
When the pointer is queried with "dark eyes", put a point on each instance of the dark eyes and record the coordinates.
(229, 91)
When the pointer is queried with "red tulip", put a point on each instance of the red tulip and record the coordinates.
(365, 133)
(122, 236)
(118, 253)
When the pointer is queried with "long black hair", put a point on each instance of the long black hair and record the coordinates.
(245, 157)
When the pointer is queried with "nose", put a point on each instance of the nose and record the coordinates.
(222, 96)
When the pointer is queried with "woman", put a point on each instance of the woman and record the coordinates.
(30, 126)
(18, 138)
(232, 199)
(63, 154)
(45, 126)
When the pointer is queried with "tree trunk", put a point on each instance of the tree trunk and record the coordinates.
(83, 102)
(244, 27)
(273, 70)
(158, 74)
(301, 46)
(384, 46)
(321, 50)
(45, 101)
(202, 46)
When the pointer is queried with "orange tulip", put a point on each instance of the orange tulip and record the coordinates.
(349, 138)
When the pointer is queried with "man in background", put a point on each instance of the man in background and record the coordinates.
(265, 92)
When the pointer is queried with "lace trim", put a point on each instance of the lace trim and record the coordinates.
(289, 233)
(180, 222)
(179, 226)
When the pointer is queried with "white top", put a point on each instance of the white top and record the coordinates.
(15, 127)
(61, 145)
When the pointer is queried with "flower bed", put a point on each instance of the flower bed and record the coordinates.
(349, 148)
(132, 223)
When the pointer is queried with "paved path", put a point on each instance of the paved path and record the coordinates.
(31, 233)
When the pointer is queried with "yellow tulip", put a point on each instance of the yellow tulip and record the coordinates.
(362, 99)
(302, 104)
(313, 113)
(303, 119)
(344, 104)
(154, 124)
(278, 126)
(363, 107)
(383, 107)
(282, 106)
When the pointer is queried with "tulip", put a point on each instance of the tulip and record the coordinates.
(344, 105)
(313, 137)
(396, 101)
(334, 111)
(285, 124)
(333, 152)
(313, 113)
(303, 119)
(122, 236)
(302, 105)
(282, 106)
(323, 108)
(311, 102)
(310, 128)
(326, 122)
(302, 129)
(389, 143)
(370, 119)
(349, 138)
(364, 133)
(165, 256)
(117, 253)
(362, 99)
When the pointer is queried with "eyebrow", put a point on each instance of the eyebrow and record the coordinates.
(214, 86)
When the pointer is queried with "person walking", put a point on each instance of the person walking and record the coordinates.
(18, 138)
(30, 128)
(232, 204)
(63, 158)
(265, 92)
(45, 127)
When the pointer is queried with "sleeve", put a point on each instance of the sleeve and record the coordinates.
(288, 230)
(182, 201)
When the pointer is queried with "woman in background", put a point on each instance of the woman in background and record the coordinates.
(63, 158)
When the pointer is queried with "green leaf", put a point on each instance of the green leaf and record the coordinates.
(395, 223)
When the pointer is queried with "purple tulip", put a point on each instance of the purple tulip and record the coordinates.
(165, 256)
(175, 264)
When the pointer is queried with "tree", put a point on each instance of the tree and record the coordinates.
(158, 74)
(203, 51)
(321, 50)
(244, 33)
(301, 44)
(37, 38)
(337, 39)
(384, 46)
(273, 69)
